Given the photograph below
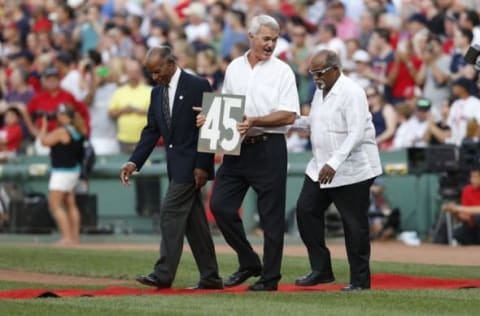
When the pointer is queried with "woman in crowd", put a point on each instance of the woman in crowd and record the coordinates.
(383, 117)
(66, 151)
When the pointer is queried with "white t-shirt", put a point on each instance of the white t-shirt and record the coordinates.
(461, 111)
(71, 83)
(268, 87)
(195, 32)
(410, 134)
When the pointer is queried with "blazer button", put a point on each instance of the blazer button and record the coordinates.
(170, 146)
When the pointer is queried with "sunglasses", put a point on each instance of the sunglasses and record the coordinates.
(320, 72)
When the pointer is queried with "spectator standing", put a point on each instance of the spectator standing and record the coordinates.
(235, 31)
(48, 100)
(384, 118)
(415, 127)
(73, 80)
(104, 130)
(464, 108)
(434, 74)
(129, 105)
(66, 143)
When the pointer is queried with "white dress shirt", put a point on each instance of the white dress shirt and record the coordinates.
(268, 87)
(172, 89)
(342, 135)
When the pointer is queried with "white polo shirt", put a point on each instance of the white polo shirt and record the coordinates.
(268, 87)
(342, 135)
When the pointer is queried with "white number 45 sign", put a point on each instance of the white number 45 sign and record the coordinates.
(219, 134)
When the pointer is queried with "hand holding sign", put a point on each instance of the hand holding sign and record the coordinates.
(219, 132)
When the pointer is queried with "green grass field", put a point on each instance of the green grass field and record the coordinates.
(128, 264)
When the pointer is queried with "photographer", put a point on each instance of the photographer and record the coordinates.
(468, 211)
(66, 143)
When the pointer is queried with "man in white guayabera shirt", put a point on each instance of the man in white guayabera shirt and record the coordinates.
(345, 162)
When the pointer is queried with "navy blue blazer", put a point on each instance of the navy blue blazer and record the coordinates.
(181, 141)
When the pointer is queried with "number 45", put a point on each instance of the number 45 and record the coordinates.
(211, 129)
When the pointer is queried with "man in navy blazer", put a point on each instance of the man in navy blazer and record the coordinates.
(170, 115)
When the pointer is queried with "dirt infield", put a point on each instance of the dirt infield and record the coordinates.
(381, 251)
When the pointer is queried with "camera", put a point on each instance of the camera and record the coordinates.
(471, 56)
(49, 115)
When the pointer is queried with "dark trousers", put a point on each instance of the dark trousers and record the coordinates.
(182, 213)
(262, 166)
(352, 201)
(467, 235)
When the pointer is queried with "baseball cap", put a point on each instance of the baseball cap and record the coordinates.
(65, 57)
(361, 56)
(463, 82)
(424, 104)
(51, 71)
(196, 9)
(418, 17)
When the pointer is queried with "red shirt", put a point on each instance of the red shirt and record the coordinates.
(14, 137)
(404, 82)
(49, 102)
(471, 197)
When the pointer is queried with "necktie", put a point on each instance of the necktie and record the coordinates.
(166, 107)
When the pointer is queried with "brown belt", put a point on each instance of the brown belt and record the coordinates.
(249, 140)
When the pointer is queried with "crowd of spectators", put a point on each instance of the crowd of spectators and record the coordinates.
(407, 54)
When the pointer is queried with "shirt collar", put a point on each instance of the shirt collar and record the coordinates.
(337, 86)
(174, 80)
(261, 62)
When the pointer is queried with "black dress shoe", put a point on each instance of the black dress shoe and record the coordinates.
(209, 284)
(241, 275)
(153, 280)
(353, 288)
(263, 286)
(314, 278)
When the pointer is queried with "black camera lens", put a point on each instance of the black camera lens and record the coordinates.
(472, 54)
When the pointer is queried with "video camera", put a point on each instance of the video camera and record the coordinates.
(452, 164)
(471, 56)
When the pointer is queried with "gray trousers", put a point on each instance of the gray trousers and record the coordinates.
(183, 213)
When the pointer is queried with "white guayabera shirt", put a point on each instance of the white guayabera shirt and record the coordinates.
(342, 135)
(268, 87)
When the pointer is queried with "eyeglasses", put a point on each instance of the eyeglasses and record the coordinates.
(320, 72)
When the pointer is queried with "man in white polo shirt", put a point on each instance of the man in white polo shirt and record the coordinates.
(271, 103)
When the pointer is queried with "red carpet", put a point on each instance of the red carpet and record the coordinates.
(379, 282)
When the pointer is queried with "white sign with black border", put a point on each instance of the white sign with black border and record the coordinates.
(219, 134)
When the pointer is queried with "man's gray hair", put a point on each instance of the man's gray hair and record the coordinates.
(263, 20)
(331, 58)
(163, 51)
